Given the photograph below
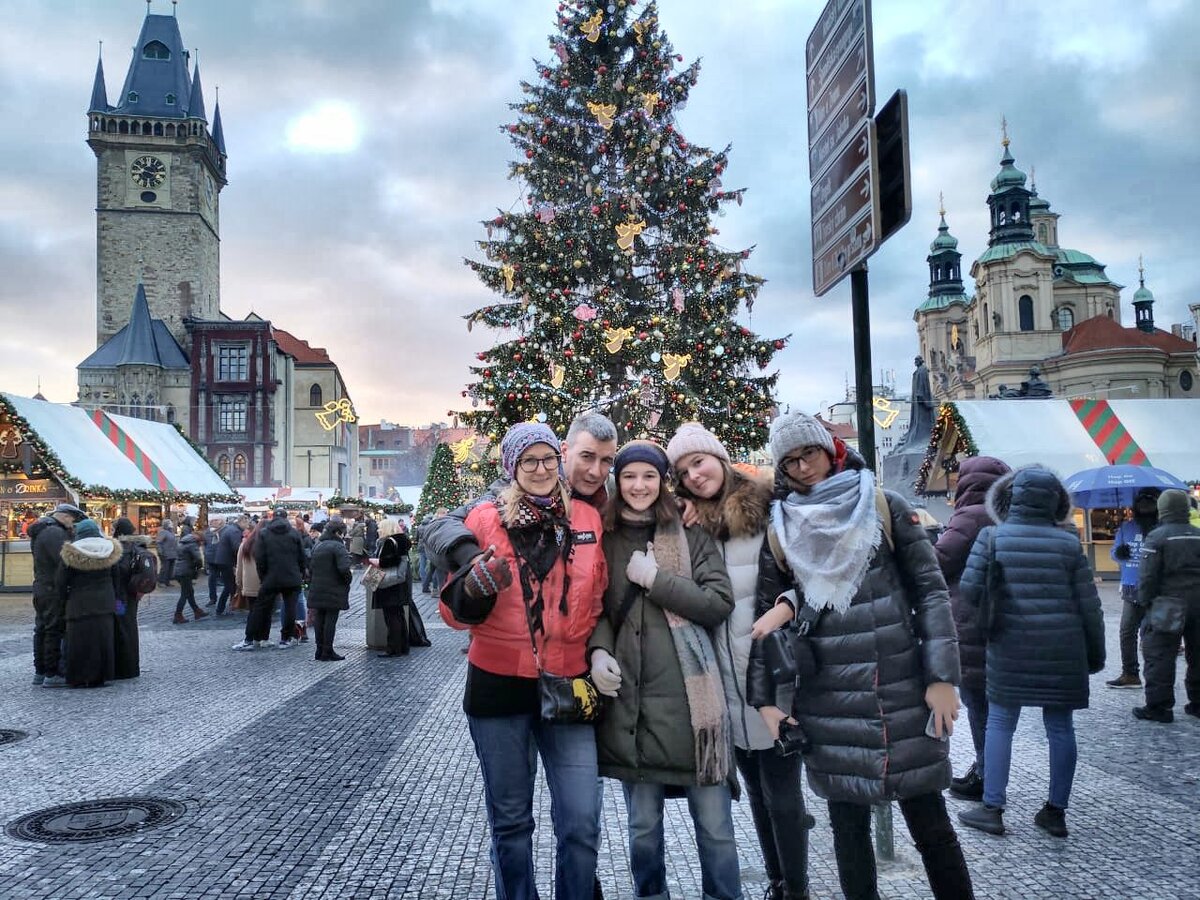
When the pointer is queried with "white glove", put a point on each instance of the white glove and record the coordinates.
(642, 567)
(606, 674)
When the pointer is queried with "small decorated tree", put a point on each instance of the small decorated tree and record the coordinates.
(442, 487)
(609, 273)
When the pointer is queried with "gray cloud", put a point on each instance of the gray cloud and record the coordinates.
(361, 252)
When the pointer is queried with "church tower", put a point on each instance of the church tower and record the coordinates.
(160, 168)
(942, 319)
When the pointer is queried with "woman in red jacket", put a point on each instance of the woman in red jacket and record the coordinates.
(540, 583)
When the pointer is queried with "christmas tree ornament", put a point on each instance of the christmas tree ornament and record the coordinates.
(649, 101)
(557, 373)
(508, 272)
(614, 338)
(627, 231)
(591, 27)
(677, 300)
(673, 363)
(604, 113)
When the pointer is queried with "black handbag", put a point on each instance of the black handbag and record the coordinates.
(1167, 615)
(788, 651)
(564, 699)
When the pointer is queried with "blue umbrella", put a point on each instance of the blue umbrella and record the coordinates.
(1108, 487)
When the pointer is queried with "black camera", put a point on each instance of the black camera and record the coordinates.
(792, 739)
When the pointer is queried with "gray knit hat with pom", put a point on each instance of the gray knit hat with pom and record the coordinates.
(795, 431)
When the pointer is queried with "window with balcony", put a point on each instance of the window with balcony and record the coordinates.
(233, 363)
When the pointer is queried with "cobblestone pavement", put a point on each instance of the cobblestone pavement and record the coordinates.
(357, 779)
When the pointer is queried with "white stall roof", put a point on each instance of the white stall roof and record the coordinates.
(187, 471)
(1025, 432)
(85, 453)
(1168, 431)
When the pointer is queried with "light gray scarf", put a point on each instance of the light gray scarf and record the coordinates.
(829, 536)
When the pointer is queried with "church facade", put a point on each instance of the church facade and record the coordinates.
(164, 349)
(1037, 303)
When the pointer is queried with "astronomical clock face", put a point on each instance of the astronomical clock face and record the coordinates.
(148, 171)
(210, 192)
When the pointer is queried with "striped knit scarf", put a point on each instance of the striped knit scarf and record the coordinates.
(698, 663)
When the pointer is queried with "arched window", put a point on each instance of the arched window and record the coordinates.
(135, 406)
(151, 409)
(171, 130)
(1064, 317)
(223, 466)
(170, 414)
(1025, 312)
(239, 467)
(156, 50)
(986, 319)
(1043, 233)
(314, 396)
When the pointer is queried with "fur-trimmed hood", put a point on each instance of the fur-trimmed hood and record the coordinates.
(92, 554)
(1030, 494)
(134, 540)
(742, 510)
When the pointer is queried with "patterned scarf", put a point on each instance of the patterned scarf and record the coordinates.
(540, 535)
(829, 536)
(709, 715)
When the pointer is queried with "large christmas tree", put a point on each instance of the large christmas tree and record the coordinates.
(442, 487)
(608, 272)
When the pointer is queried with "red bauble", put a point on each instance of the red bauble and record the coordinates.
(499, 220)
(529, 154)
(595, 210)
(683, 207)
(512, 396)
(779, 345)
(568, 353)
(641, 335)
(516, 357)
(601, 70)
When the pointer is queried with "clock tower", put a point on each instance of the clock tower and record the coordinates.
(160, 168)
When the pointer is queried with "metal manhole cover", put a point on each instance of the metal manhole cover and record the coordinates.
(94, 820)
(11, 736)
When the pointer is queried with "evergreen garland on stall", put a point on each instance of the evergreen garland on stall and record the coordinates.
(608, 272)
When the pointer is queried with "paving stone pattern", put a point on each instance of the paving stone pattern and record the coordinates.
(357, 779)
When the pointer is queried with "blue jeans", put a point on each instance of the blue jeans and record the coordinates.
(506, 748)
(711, 815)
(976, 702)
(301, 611)
(1060, 732)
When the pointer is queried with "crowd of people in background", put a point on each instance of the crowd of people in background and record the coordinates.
(726, 623)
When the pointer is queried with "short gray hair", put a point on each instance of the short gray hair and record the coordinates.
(598, 426)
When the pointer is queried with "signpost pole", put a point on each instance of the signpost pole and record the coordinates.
(863, 388)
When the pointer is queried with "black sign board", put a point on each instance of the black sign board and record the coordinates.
(31, 489)
(895, 178)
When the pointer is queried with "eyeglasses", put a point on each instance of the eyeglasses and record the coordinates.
(530, 464)
(807, 456)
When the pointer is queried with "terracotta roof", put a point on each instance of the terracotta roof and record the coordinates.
(300, 350)
(843, 430)
(1103, 333)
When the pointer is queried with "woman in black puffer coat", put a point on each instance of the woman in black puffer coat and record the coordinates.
(886, 656)
(329, 586)
(975, 475)
(1047, 634)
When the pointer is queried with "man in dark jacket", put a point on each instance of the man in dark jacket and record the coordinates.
(1169, 585)
(168, 551)
(1127, 551)
(975, 475)
(228, 542)
(47, 536)
(212, 537)
(329, 590)
(279, 559)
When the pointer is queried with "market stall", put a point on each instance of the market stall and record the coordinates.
(109, 465)
(1067, 436)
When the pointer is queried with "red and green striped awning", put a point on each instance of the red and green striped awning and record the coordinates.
(1114, 441)
(132, 451)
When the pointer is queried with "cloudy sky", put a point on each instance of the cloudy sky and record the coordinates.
(364, 150)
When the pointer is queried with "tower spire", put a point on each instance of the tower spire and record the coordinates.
(99, 94)
(1004, 131)
(1141, 272)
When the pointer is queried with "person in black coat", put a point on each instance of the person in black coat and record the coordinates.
(225, 558)
(976, 474)
(879, 700)
(87, 588)
(47, 536)
(127, 661)
(188, 566)
(1169, 581)
(404, 626)
(279, 559)
(1046, 634)
(329, 586)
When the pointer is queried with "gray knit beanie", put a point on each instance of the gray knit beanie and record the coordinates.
(692, 437)
(795, 431)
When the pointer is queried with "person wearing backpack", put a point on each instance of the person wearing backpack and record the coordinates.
(854, 564)
(137, 572)
(187, 568)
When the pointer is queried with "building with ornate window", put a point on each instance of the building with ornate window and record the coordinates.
(1037, 303)
(165, 351)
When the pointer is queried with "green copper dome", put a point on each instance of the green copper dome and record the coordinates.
(1143, 295)
(944, 240)
(1009, 175)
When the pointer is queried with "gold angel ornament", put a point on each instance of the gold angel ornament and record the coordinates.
(463, 450)
(508, 272)
(603, 112)
(614, 338)
(591, 27)
(627, 231)
(673, 363)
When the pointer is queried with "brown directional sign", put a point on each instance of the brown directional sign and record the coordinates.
(848, 207)
(852, 247)
(851, 78)
(853, 26)
(831, 15)
(853, 113)
(855, 155)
